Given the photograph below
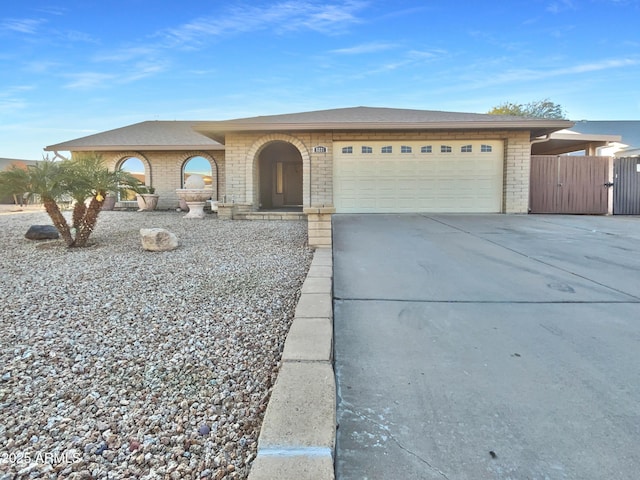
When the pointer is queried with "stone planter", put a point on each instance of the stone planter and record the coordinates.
(195, 200)
(147, 201)
(109, 202)
(195, 194)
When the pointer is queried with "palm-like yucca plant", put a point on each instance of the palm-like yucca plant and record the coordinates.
(85, 178)
(46, 179)
(89, 183)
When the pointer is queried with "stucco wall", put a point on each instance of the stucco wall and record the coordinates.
(163, 170)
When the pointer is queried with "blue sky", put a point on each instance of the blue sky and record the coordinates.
(73, 68)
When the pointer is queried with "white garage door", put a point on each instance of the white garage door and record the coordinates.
(431, 176)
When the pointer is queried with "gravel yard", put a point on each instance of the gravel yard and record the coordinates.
(121, 363)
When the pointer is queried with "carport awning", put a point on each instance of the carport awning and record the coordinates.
(566, 141)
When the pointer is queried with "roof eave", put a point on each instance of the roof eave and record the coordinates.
(121, 148)
(216, 130)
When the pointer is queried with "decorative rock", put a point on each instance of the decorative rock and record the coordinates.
(158, 239)
(204, 430)
(102, 426)
(151, 367)
(42, 232)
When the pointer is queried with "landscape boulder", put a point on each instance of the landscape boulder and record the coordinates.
(42, 232)
(158, 239)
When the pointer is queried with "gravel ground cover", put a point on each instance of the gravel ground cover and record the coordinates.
(121, 363)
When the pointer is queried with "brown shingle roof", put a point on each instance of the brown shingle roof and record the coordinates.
(198, 135)
(370, 118)
(150, 135)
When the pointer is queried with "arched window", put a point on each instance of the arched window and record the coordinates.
(135, 167)
(197, 166)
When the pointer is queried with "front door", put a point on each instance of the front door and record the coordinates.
(287, 184)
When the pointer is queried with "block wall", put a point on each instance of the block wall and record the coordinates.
(517, 173)
(237, 170)
(163, 171)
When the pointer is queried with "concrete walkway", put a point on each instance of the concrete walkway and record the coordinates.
(487, 347)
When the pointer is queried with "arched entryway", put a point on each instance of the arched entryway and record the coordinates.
(280, 171)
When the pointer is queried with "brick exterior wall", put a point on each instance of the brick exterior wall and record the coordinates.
(238, 168)
(319, 230)
(517, 172)
(163, 171)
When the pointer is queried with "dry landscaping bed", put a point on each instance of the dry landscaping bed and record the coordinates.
(121, 363)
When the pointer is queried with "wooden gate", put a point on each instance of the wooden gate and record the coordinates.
(569, 184)
(626, 186)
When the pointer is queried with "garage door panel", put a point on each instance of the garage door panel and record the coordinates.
(389, 183)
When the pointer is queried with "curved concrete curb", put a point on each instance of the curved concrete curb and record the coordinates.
(298, 435)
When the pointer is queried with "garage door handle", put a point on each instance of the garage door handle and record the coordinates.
(608, 184)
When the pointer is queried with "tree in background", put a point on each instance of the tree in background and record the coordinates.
(85, 179)
(539, 109)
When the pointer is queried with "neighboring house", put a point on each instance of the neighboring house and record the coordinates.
(592, 168)
(627, 130)
(350, 160)
(6, 163)
(564, 142)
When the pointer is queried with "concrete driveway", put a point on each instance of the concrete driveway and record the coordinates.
(487, 347)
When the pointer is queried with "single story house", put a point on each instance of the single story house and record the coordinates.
(570, 142)
(7, 163)
(348, 160)
(627, 131)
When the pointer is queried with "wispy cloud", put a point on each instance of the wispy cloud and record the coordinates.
(421, 55)
(364, 48)
(153, 57)
(96, 80)
(143, 70)
(281, 17)
(411, 59)
(540, 74)
(29, 26)
(561, 6)
(126, 54)
(76, 36)
(527, 75)
(52, 10)
(412, 11)
(42, 66)
(43, 30)
(89, 80)
(12, 100)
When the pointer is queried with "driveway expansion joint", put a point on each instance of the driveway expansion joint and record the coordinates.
(494, 302)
